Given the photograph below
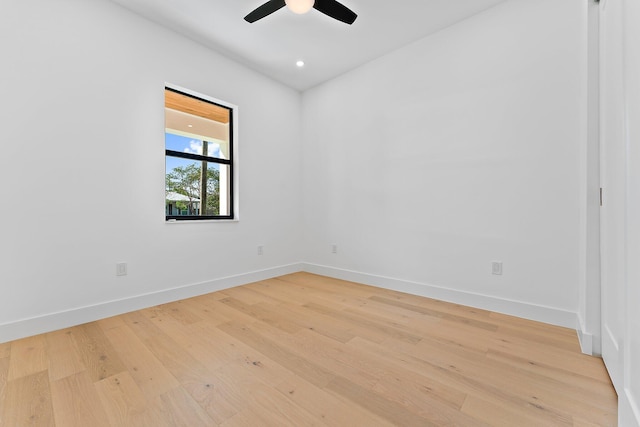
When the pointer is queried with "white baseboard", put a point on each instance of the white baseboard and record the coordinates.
(540, 313)
(586, 342)
(628, 410)
(589, 343)
(76, 316)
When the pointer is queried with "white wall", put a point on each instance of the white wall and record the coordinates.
(426, 165)
(82, 167)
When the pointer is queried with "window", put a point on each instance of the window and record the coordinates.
(198, 157)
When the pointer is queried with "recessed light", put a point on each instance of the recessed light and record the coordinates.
(190, 126)
(300, 64)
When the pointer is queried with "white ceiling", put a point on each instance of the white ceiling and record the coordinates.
(328, 47)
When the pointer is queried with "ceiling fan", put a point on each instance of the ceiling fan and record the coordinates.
(329, 7)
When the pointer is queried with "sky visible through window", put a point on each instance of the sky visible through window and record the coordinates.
(187, 145)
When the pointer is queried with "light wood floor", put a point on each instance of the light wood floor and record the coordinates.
(304, 350)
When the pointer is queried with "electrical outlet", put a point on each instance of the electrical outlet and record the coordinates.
(260, 249)
(121, 269)
(334, 249)
(496, 268)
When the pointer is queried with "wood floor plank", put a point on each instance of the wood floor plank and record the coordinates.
(236, 381)
(212, 347)
(437, 305)
(143, 327)
(325, 285)
(304, 350)
(553, 356)
(320, 324)
(76, 402)
(262, 368)
(505, 414)
(28, 356)
(151, 376)
(125, 404)
(325, 354)
(487, 378)
(587, 383)
(28, 402)
(212, 393)
(287, 292)
(121, 397)
(366, 369)
(184, 410)
(328, 292)
(372, 326)
(201, 307)
(181, 312)
(64, 358)
(4, 375)
(285, 357)
(97, 353)
(581, 422)
(228, 313)
(377, 404)
(551, 340)
(494, 381)
(215, 397)
(465, 337)
(415, 393)
(275, 409)
(545, 328)
(215, 349)
(168, 322)
(386, 312)
(436, 365)
(247, 295)
(111, 322)
(260, 313)
(331, 409)
(5, 350)
(438, 314)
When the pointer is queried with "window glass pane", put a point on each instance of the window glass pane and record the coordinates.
(192, 187)
(185, 144)
(218, 149)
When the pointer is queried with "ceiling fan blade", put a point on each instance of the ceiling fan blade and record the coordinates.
(336, 10)
(266, 9)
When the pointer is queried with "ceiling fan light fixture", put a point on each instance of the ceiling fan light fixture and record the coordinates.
(332, 8)
(300, 6)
